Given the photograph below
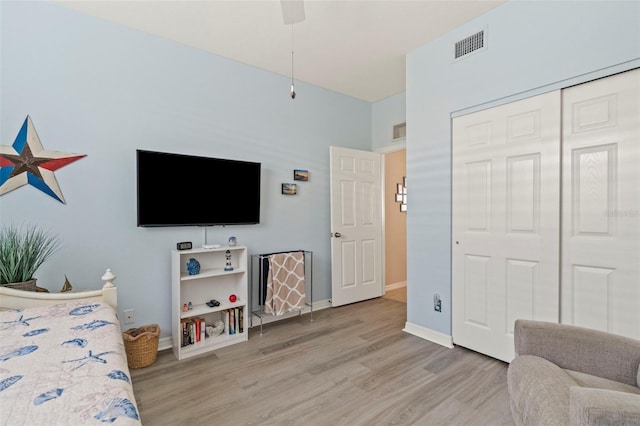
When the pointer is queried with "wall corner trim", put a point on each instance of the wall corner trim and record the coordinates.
(428, 334)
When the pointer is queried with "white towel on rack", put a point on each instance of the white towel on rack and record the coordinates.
(285, 283)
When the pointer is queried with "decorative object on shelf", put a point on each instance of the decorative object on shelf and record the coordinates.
(190, 306)
(233, 298)
(193, 266)
(27, 162)
(213, 303)
(233, 241)
(289, 188)
(185, 307)
(227, 256)
(22, 251)
(216, 329)
(185, 245)
(299, 174)
(401, 194)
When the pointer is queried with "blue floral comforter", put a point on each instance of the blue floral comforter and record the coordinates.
(64, 365)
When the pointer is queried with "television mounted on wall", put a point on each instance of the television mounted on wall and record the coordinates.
(189, 190)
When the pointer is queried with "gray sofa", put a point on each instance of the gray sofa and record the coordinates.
(568, 375)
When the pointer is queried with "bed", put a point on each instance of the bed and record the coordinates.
(62, 359)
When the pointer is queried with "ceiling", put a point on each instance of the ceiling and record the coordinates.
(354, 47)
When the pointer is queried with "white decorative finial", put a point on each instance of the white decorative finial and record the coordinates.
(108, 278)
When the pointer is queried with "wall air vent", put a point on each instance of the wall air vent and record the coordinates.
(470, 44)
(400, 131)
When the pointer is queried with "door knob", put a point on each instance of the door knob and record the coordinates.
(337, 235)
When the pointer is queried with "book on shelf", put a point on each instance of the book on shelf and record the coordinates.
(186, 332)
(193, 328)
(236, 319)
(225, 319)
(232, 322)
(193, 331)
(233, 319)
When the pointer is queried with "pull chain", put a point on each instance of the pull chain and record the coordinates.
(292, 92)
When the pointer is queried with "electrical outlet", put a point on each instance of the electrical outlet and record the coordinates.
(437, 303)
(128, 316)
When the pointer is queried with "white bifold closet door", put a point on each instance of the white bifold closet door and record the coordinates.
(546, 214)
(506, 222)
(601, 205)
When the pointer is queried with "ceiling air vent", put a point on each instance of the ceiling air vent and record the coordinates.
(400, 131)
(470, 44)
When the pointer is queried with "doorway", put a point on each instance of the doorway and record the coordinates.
(360, 252)
(395, 228)
(357, 263)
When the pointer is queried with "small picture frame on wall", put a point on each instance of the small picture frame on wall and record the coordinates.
(299, 174)
(289, 189)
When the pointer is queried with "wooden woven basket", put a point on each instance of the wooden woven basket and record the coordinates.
(141, 345)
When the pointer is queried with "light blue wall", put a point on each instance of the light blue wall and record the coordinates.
(100, 89)
(385, 114)
(533, 47)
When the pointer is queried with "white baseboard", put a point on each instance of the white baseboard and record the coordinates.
(428, 334)
(164, 343)
(394, 286)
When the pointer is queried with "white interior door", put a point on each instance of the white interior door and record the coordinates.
(601, 205)
(506, 214)
(356, 225)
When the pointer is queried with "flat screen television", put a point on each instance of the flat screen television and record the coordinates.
(188, 190)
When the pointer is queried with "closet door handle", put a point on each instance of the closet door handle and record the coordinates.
(337, 235)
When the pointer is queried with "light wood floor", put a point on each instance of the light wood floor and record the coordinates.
(398, 294)
(352, 365)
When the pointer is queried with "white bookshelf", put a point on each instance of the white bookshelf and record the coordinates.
(213, 282)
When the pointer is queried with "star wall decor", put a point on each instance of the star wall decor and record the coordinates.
(27, 162)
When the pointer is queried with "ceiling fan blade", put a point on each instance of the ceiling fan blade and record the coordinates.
(292, 11)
